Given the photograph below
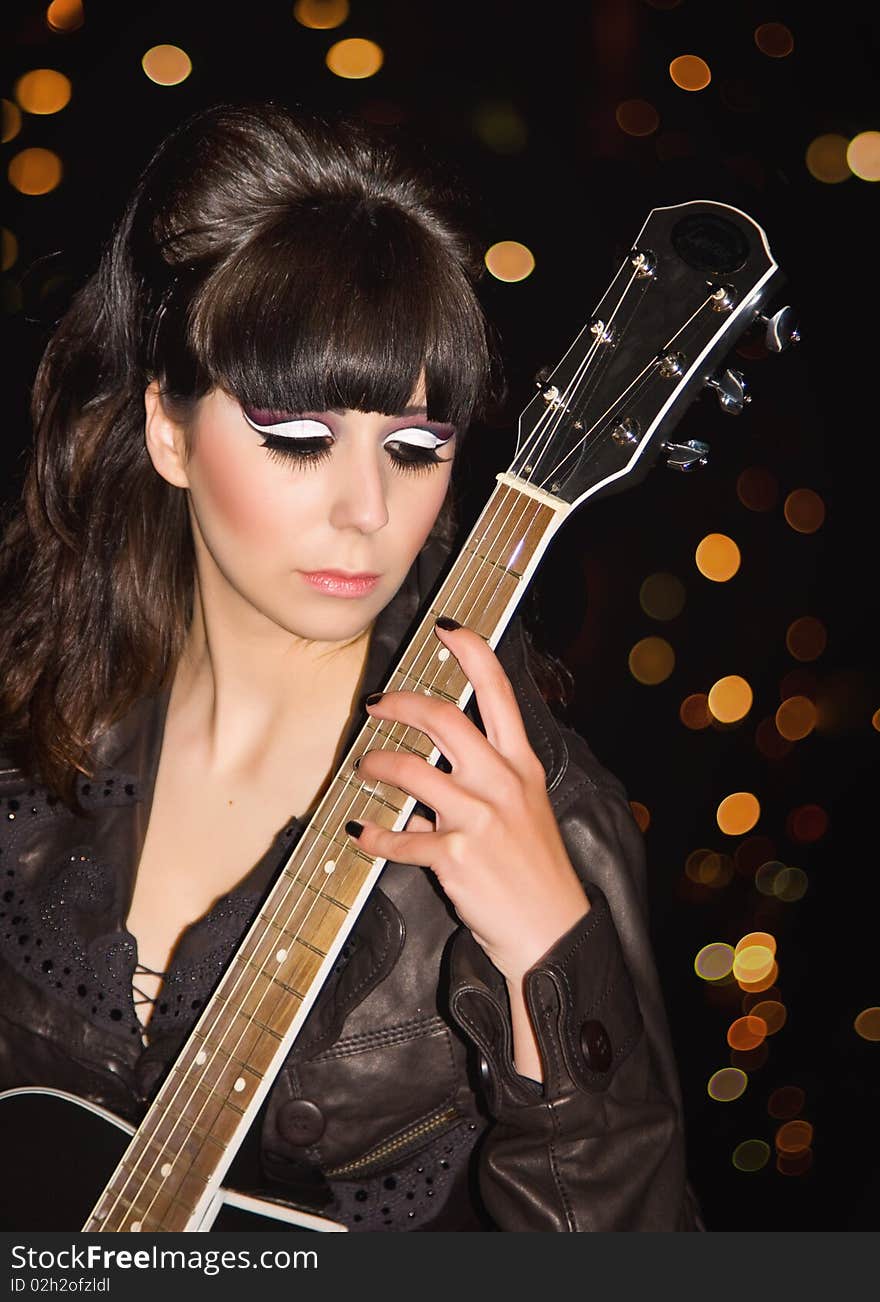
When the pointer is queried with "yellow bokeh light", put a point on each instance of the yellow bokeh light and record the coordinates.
(804, 510)
(757, 489)
(11, 120)
(727, 1084)
(766, 875)
(708, 868)
(826, 158)
(790, 884)
(714, 962)
(510, 261)
(694, 711)
(738, 813)
(867, 1024)
(9, 249)
(730, 699)
(662, 596)
(751, 1155)
(651, 661)
(35, 171)
(786, 1102)
(321, 15)
(806, 638)
(774, 39)
(355, 58)
(752, 938)
(796, 718)
(167, 65)
(764, 983)
(690, 72)
(641, 814)
(65, 15)
(43, 91)
(772, 1013)
(794, 1136)
(637, 117)
(717, 557)
(863, 156)
(751, 965)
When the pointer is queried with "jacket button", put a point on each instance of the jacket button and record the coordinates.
(301, 1122)
(595, 1046)
(485, 1074)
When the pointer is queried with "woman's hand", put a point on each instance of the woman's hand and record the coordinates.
(496, 849)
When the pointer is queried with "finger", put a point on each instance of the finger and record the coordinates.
(451, 731)
(499, 708)
(420, 848)
(415, 777)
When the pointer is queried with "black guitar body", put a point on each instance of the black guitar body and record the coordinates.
(59, 1153)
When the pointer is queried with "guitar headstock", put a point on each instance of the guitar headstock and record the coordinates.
(695, 280)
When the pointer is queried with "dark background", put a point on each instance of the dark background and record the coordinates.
(576, 193)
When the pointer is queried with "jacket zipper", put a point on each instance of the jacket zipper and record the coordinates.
(392, 1146)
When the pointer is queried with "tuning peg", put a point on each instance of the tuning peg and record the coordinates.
(730, 386)
(686, 456)
(780, 329)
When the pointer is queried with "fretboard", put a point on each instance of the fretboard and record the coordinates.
(173, 1166)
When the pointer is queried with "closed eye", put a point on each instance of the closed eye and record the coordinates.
(304, 440)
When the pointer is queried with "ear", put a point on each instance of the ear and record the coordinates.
(165, 438)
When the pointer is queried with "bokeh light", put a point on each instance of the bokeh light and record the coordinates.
(826, 158)
(690, 72)
(757, 489)
(766, 875)
(35, 171)
(763, 938)
(65, 15)
(751, 1155)
(321, 14)
(510, 261)
(355, 58)
(771, 1012)
(694, 711)
(774, 39)
(770, 995)
(804, 510)
(717, 557)
(867, 1024)
(790, 884)
(794, 1136)
(765, 983)
(796, 718)
(738, 813)
(709, 868)
(794, 1163)
(727, 1084)
(498, 124)
(769, 742)
(9, 248)
(875, 720)
(11, 120)
(651, 660)
(863, 156)
(714, 961)
(751, 853)
(43, 91)
(806, 824)
(637, 117)
(166, 65)
(786, 1102)
(746, 1033)
(730, 699)
(750, 966)
(662, 596)
(641, 814)
(806, 638)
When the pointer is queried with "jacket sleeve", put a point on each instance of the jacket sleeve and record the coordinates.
(601, 1146)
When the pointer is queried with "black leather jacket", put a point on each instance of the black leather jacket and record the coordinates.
(399, 1106)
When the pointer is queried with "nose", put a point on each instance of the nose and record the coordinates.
(359, 492)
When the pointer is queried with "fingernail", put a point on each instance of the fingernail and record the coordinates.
(444, 622)
(374, 697)
(357, 762)
(353, 827)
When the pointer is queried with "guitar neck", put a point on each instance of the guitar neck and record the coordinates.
(172, 1169)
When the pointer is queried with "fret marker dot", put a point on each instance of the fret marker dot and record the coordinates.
(101, 1213)
(443, 653)
(239, 1085)
(201, 1058)
(281, 955)
(165, 1169)
(329, 866)
(135, 1227)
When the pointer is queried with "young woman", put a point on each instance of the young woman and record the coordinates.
(239, 498)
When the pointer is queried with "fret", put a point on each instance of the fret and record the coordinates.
(370, 790)
(218, 1095)
(275, 1019)
(408, 681)
(274, 980)
(327, 917)
(487, 560)
(181, 1184)
(343, 845)
(193, 1049)
(340, 883)
(408, 740)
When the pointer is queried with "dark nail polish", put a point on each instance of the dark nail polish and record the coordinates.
(357, 763)
(374, 697)
(353, 827)
(450, 625)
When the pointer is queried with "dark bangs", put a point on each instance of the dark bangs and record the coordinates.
(341, 304)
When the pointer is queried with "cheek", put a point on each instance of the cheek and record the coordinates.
(246, 495)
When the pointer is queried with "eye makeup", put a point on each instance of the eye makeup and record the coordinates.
(306, 439)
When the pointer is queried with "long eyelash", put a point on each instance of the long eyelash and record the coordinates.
(308, 454)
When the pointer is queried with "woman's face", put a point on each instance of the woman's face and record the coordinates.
(278, 499)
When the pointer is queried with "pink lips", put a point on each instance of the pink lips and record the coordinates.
(336, 584)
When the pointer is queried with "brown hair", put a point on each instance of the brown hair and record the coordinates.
(294, 263)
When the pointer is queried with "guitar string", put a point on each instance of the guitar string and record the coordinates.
(364, 788)
(548, 419)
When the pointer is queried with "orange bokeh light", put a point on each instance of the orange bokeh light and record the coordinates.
(796, 718)
(35, 171)
(867, 1024)
(717, 557)
(774, 39)
(806, 638)
(746, 1033)
(641, 814)
(65, 15)
(826, 158)
(757, 489)
(637, 117)
(807, 823)
(355, 58)
(738, 813)
(694, 711)
(730, 699)
(794, 1136)
(804, 510)
(690, 72)
(772, 1013)
(755, 987)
